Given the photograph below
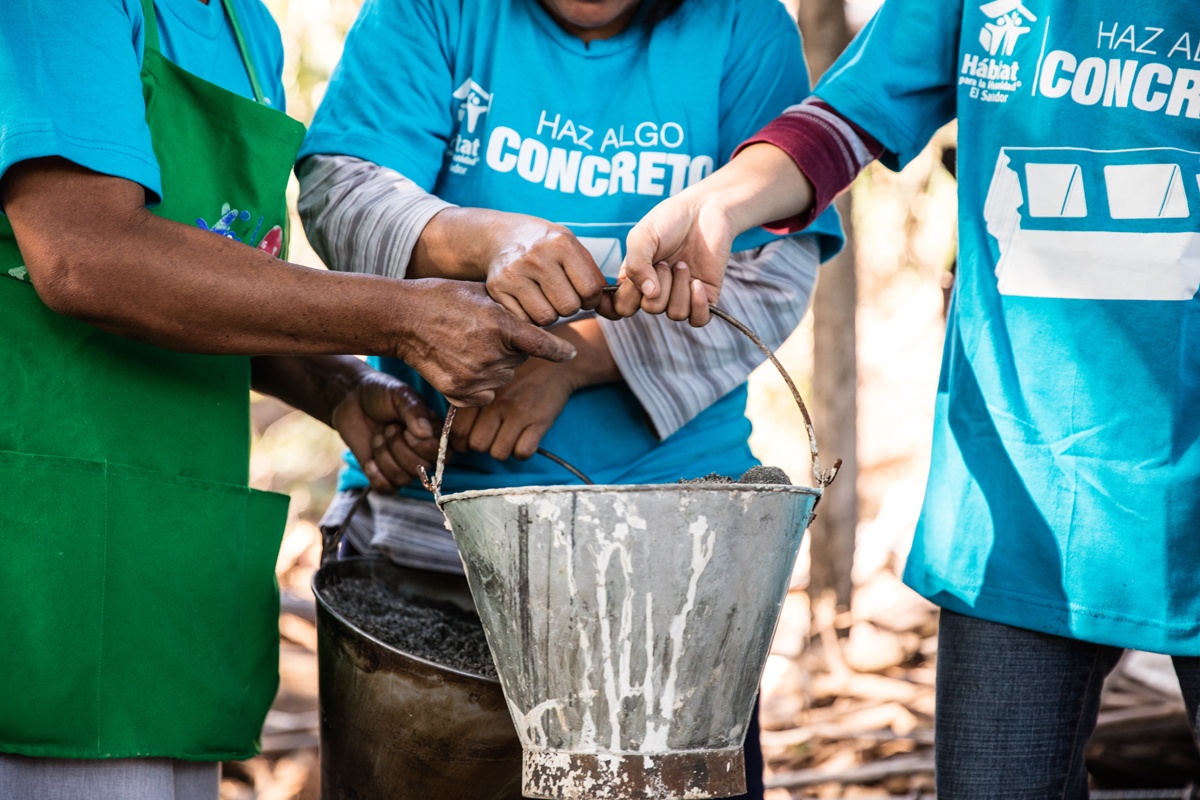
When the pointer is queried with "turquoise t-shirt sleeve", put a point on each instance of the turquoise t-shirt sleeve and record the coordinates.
(898, 78)
(388, 100)
(70, 73)
(765, 73)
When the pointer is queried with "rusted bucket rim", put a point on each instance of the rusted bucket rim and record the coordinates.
(633, 488)
(392, 648)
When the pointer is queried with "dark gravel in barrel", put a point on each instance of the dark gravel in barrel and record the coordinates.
(434, 630)
(773, 475)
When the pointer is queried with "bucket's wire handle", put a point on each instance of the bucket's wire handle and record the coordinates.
(822, 478)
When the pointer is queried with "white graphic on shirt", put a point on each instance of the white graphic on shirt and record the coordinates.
(994, 75)
(567, 155)
(463, 147)
(606, 251)
(1007, 25)
(1096, 225)
(1140, 68)
(475, 101)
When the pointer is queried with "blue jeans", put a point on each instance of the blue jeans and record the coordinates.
(1015, 709)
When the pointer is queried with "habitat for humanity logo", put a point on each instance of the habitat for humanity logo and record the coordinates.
(1007, 25)
(993, 77)
(473, 102)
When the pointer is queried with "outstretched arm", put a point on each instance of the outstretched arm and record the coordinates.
(95, 253)
(782, 178)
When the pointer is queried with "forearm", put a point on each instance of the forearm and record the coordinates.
(457, 243)
(137, 275)
(829, 149)
(313, 384)
(184, 289)
(363, 217)
(762, 183)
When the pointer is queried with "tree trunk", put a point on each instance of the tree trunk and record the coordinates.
(835, 358)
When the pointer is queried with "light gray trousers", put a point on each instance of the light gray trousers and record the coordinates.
(23, 778)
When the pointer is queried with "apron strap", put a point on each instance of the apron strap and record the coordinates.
(151, 42)
(150, 27)
(246, 59)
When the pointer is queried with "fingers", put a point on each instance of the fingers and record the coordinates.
(505, 439)
(529, 441)
(658, 303)
(538, 343)
(413, 412)
(426, 448)
(554, 276)
(483, 432)
(627, 300)
(460, 432)
(679, 303)
(525, 300)
(505, 435)
(641, 256)
(701, 313)
(586, 278)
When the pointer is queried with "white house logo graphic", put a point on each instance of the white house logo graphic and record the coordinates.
(1096, 224)
(474, 102)
(1007, 25)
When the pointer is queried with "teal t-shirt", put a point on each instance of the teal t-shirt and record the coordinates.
(70, 71)
(489, 103)
(1064, 491)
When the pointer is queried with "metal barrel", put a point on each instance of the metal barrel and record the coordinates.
(630, 626)
(395, 726)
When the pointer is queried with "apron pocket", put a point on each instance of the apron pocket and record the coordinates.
(51, 601)
(191, 641)
(120, 635)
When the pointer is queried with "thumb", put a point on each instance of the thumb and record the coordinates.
(413, 412)
(641, 251)
(534, 341)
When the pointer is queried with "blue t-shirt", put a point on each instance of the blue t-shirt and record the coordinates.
(70, 72)
(1064, 492)
(489, 103)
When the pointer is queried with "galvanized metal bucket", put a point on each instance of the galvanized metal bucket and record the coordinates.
(630, 624)
(395, 726)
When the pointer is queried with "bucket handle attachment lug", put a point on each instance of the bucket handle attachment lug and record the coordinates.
(822, 478)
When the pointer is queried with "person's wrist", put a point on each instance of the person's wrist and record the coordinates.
(457, 243)
(594, 365)
(405, 329)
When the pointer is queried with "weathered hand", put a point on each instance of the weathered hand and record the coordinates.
(538, 270)
(682, 230)
(388, 428)
(515, 422)
(465, 344)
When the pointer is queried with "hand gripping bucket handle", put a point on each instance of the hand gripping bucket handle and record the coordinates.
(821, 478)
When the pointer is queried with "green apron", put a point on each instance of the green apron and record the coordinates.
(138, 603)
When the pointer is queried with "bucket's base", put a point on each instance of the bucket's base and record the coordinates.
(689, 775)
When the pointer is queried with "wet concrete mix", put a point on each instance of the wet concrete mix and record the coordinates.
(758, 475)
(434, 630)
